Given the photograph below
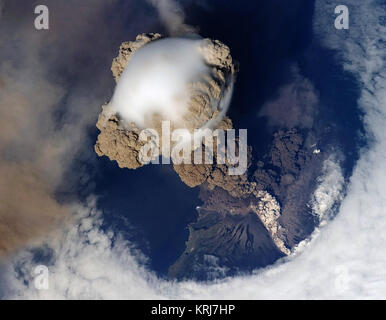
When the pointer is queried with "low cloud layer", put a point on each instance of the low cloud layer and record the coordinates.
(43, 119)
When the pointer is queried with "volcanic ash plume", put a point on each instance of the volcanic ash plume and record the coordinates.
(188, 82)
(185, 81)
(175, 78)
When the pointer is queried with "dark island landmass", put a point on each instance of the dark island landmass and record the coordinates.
(229, 237)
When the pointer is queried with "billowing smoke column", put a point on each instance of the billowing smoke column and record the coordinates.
(186, 81)
(189, 83)
(173, 79)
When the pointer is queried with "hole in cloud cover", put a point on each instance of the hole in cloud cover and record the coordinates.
(344, 259)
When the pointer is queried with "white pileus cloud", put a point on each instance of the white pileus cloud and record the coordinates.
(156, 80)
